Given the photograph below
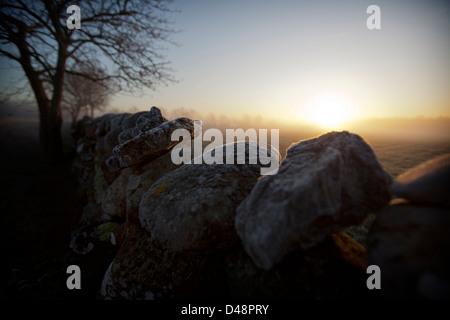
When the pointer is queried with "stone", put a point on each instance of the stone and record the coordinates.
(100, 124)
(150, 144)
(85, 128)
(244, 152)
(130, 121)
(114, 202)
(193, 207)
(103, 123)
(140, 122)
(117, 120)
(150, 120)
(104, 149)
(83, 164)
(334, 269)
(127, 134)
(110, 141)
(411, 245)
(361, 232)
(428, 183)
(91, 215)
(82, 240)
(109, 175)
(87, 238)
(118, 235)
(113, 163)
(324, 185)
(141, 179)
(142, 269)
(105, 231)
(99, 185)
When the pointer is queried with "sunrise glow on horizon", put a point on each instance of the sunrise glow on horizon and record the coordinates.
(328, 110)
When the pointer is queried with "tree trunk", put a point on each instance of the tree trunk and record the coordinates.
(49, 111)
(55, 139)
(49, 125)
(54, 128)
(49, 132)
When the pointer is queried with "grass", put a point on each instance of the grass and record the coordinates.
(40, 207)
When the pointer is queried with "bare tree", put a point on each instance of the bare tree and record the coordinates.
(83, 96)
(121, 36)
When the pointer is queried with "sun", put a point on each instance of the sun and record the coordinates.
(328, 110)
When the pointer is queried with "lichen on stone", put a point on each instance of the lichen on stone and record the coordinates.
(160, 188)
(105, 230)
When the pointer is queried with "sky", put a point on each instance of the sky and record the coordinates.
(306, 60)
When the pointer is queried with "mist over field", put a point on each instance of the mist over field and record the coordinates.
(417, 129)
(400, 143)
